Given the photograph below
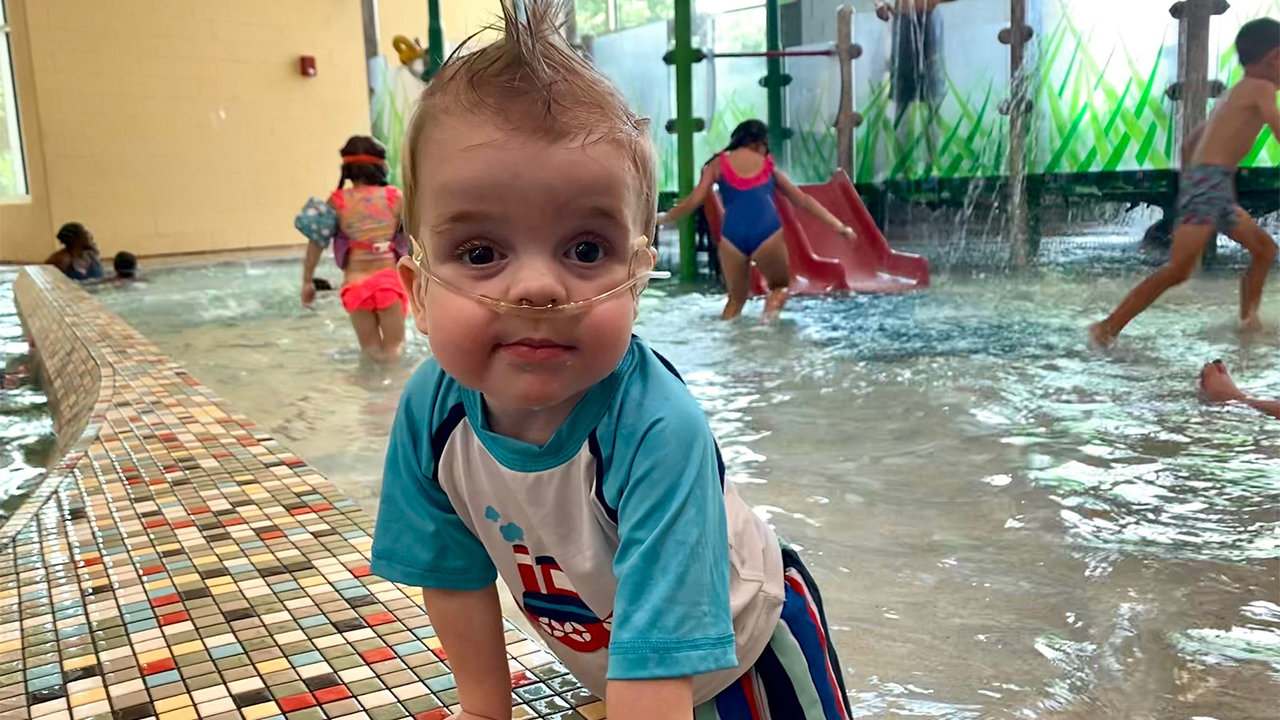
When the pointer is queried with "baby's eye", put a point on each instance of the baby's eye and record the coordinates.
(588, 252)
(481, 255)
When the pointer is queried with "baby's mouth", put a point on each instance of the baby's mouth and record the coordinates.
(535, 349)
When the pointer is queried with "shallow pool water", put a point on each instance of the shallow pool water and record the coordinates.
(26, 429)
(1004, 524)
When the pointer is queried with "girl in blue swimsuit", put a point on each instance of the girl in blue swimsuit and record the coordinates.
(752, 230)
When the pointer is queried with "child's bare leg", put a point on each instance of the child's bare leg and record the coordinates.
(1188, 243)
(366, 327)
(774, 264)
(1262, 250)
(391, 329)
(736, 269)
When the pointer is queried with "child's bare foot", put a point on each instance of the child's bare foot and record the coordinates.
(1100, 336)
(1216, 385)
(1250, 323)
(773, 304)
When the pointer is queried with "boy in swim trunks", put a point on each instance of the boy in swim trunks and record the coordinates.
(545, 444)
(1207, 203)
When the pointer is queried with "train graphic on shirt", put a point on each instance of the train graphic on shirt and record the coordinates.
(551, 603)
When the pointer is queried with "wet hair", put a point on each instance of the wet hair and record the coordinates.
(748, 133)
(125, 264)
(361, 172)
(1256, 39)
(532, 83)
(71, 233)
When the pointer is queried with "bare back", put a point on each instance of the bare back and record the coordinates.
(1233, 127)
(745, 161)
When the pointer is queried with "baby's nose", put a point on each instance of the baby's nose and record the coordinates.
(539, 285)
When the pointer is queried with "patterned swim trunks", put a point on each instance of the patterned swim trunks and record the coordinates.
(1208, 197)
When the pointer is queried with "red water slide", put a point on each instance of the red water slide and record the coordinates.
(824, 262)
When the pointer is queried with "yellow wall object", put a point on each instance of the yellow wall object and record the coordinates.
(461, 18)
(180, 126)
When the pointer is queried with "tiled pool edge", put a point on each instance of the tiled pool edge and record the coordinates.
(179, 562)
(77, 381)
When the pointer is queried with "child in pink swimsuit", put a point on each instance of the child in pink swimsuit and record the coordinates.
(366, 249)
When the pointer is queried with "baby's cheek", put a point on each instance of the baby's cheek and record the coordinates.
(609, 334)
(459, 335)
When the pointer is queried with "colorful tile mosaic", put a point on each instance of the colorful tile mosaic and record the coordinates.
(180, 563)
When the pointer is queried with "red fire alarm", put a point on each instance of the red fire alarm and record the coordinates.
(307, 65)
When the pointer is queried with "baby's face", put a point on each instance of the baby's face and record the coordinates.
(524, 221)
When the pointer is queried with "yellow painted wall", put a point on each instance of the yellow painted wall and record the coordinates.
(180, 126)
(184, 126)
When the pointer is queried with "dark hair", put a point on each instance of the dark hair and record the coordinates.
(367, 173)
(748, 132)
(125, 264)
(1257, 38)
(71, 233)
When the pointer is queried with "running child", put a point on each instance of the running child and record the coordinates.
(543, 443)
(1207, 200)
(752, 230)
(364, 222)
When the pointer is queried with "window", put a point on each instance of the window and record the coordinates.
(13, 168)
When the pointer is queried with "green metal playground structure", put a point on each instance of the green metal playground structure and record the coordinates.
(1041, 105)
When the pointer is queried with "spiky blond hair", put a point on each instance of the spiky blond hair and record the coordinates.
(532, 82)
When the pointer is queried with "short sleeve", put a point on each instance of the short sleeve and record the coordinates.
(419, 539)
(671, 613)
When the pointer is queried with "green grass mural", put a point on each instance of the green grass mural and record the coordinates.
(965, 137)
(1095, 118)
(390, 109)
(1266, 151)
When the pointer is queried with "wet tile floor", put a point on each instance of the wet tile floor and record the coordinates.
(186, 565)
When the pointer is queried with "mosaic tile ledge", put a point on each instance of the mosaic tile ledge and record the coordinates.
(180, 563)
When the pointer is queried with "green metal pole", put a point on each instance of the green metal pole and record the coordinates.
(774, 80)
(435, 40)
(684, 58)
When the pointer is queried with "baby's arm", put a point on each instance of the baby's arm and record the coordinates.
(422, 541)
(671, 613)
(469, 625)
(650, 699)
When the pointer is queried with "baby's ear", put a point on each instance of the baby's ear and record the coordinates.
(415, 285)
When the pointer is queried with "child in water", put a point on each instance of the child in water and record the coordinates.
(545, 444)
(79, 258)
(1216, 386)
(1207, 203)
(752, 230)
(368, 219)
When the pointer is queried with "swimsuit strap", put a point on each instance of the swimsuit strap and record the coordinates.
(746, 182)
